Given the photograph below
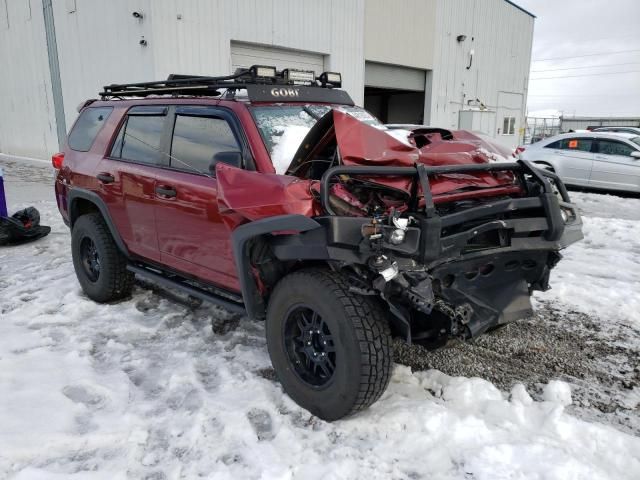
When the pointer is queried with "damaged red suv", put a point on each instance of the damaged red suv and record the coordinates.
(271, 194)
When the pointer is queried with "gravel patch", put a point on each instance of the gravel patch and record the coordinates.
(602, 367)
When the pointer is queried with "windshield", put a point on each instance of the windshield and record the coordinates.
(283, 127)
(636, 140)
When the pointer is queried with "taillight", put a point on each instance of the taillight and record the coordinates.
(517, 151)
(57, 159)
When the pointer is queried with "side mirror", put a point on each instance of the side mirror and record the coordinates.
(230, 158)
(636, 155)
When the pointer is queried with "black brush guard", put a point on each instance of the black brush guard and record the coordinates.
(433, 244)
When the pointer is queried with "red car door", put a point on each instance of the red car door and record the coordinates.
(191, 235)
(128, 178)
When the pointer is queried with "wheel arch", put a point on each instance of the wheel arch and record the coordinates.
(300, 232)
(83, 201)
(545, 163)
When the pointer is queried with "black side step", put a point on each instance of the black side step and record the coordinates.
(189, 289)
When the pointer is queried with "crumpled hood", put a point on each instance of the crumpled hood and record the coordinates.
(364, 144)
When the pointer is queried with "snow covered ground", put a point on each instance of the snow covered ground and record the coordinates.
(146, 389)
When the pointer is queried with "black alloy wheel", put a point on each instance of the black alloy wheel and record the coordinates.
(90, 259)
(309, 345)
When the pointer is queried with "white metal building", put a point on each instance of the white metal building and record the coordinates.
(448, 63)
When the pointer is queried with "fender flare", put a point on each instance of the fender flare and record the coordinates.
(254, 303)
(80, 193)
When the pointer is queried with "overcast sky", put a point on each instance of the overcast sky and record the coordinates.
(595, 39)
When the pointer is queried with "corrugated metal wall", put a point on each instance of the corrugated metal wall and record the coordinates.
(199, 42)
(194, 37)
(27, 120)
(99, 43)
(501, 36)
(401, 32)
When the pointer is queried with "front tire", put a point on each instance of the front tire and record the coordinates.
(100, 267)
(330, 348)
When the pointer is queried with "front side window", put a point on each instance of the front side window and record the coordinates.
(139, 139)
(87, 127)
(509, 126)
(196, 140)
(611, 147)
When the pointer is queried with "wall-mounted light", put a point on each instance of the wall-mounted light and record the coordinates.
(461, 38)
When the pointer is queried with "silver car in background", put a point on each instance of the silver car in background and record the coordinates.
(633, 130)
(608, 161)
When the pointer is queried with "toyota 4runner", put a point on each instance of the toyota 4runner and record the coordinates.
(272, 195)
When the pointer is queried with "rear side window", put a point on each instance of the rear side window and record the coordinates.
(196, 140)
(581, 144)
(139, 139)
(87, 127)
(611, 147)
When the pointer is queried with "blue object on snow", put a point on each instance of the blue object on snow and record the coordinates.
(3, 199)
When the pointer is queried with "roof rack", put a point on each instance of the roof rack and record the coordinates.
(195, 85)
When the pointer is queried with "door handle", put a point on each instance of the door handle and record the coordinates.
(105, 177)
(166, 191)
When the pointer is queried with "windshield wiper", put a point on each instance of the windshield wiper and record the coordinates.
(311, 113)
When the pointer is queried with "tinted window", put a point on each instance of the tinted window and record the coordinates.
(611, 147)
(87, 126)
(581, 144)
(197, 139)
(139, 139)
(555, 144)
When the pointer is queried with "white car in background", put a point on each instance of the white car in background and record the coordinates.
(633, 130)
(608, 161)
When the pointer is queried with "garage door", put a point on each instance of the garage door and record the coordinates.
(246, 54)
(381, 75)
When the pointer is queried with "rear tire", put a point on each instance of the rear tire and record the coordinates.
(100, 267)
(330, 348)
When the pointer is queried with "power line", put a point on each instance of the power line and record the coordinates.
(586, 75)
(602, 39)
(583, 96)
(586, 55)
(590, 66)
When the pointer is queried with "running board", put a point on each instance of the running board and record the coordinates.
(189, 289)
